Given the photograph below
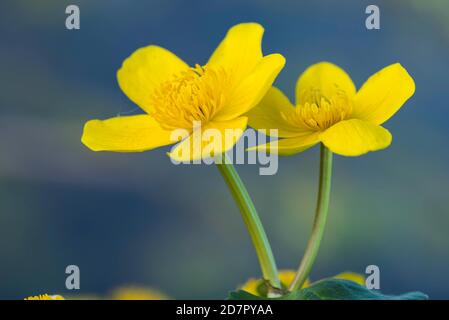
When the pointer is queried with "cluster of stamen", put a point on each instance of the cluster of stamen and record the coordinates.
(319, 112)
(191, 96)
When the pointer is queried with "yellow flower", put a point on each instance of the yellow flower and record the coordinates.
(174, 95)
(330, 110)
(352, 276)
(259, 287)
(45, 297)
(128, 292)
(137, 293)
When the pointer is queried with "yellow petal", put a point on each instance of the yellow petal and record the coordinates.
(383, 94)
(289, 146)
(287, 276)
(253, 88)
(352, 276)
(144, 70)
(252, 286)
(137, 293)
(125, 134)
(326, 77)
(355, 137)
(271, 113)
(259, 288)
(211, 140)
(45, 297)
(240, 51)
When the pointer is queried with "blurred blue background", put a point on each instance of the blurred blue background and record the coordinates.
(138, 219)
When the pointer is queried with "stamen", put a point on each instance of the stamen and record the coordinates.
(193, 95)
(320, 112)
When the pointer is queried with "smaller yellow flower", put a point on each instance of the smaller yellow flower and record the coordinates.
(330, 110)
(45, 297)
(352, 276)
(129, 292)
(137, 293)
(259, 287)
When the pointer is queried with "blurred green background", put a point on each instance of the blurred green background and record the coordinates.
(138, 219)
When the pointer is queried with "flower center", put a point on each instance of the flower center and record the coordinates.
(320, 112)
(193, 95)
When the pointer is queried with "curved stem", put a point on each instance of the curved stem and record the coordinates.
(320, 220)
(252, 221)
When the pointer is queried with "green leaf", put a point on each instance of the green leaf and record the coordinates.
(332, 289)
(338, 289)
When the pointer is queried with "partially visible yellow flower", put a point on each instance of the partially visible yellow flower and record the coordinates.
(137, 293)
(259, 287)
(129, 292)
(352, 276)
(45, 297)
(176, 96)
(330, 110)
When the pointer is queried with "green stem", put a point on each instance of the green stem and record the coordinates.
(252, 221)
(319, 223)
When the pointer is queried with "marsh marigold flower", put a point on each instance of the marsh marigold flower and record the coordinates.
(352, 276)
(259, 287)
(45, 297)
(137, 293)
(330, 110)
(175, 96)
